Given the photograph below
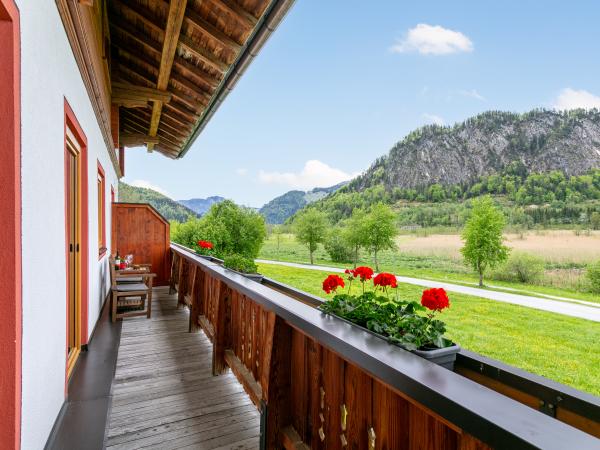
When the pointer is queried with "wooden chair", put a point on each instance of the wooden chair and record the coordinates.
(130, 290)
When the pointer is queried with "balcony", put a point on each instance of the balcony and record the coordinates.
(230, 362)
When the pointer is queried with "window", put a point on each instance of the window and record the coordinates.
(101, 211)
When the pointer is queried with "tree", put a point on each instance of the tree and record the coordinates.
(311, 228)
(277, 232)
(380, 230)
(354, 233)
(233, 229)
(483, 237)
(595, 220)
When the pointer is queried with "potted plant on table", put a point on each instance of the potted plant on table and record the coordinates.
(408, 324)
(242, 265)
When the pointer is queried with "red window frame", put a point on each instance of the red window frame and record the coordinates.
(101, 184)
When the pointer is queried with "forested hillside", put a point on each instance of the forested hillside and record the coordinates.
(169, 209)
(201, 205)
(543, 168)
(281, 208)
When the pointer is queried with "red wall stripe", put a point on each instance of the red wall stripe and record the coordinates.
(10, 227)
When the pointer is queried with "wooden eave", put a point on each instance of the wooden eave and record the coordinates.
(174, 61)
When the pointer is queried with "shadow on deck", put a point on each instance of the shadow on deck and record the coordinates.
(164, 395)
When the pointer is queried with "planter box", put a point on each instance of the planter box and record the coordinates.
(444, 357)
(252, 276)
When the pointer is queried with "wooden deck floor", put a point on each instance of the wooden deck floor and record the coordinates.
(164, 394)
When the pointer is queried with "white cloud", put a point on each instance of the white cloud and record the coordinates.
(473, 94)
(433, 40)
(572, 99)
(146, 184)
(433, 119)
(314, 174)
(241, 171)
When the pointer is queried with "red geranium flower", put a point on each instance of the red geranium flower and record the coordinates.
(205, 244)
(385, 279)
(332, 282)
(364, 272)
(435, 299)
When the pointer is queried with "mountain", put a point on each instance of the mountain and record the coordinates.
(281, 208)
(201, 205)
(488, 143)
(169, 209)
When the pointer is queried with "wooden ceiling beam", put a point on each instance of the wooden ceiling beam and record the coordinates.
(136, 139)
(166, 121)
(201, 96)
(177, 133)
(175, 20)
(202, 54)
(196, 21)
(143, 15)
(142, 125)
(240, 13)
(126, 94)
(154, 46)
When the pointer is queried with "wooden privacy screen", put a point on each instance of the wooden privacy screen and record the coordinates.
(140, 230)
(311, 396)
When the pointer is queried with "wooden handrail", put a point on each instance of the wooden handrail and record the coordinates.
(322, 379)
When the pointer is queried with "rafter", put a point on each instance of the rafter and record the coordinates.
(240, 13)
(155, 48)
(194, 19)
(130, 95)
(202, 54)
(173, 29)
(135, 139)
(201, 96)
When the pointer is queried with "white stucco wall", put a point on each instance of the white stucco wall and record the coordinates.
(49, 75)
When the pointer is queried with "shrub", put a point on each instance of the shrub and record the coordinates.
(521, 267)
(593, 276)
(337, 246)
(240, 263)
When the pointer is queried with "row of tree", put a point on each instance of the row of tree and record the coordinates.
(373, 230)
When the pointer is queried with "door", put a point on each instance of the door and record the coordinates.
(73, 214)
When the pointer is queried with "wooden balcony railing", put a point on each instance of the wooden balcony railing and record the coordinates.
(322, 383)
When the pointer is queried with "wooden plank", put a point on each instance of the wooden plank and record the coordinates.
(245, 377)
(315, 365)
(426, 431)
(390, 418)
(291, 439)
(124, 92)
(164, 393)
(357, 406)
(333, 386)
(173, 29)
(135, 139)
(276, 375)
(231, 6)
(202, 54)
(299, 383)
(194, 19)
(221, 340)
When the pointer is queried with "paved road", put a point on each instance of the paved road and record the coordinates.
(560, 307)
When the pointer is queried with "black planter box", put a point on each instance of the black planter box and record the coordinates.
(252, 276)
(444, 357)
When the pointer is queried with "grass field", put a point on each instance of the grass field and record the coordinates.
(436, 257)
(551, 345)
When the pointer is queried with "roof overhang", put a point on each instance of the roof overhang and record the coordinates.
(174, 62)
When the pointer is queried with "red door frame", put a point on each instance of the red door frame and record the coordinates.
(73, 124)
(10, 226)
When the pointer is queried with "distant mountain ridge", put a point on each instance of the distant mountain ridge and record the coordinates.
(201, 205)
(168, 208)
(281, 208)
(542, 140)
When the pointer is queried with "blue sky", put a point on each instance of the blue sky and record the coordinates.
(339, 83)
